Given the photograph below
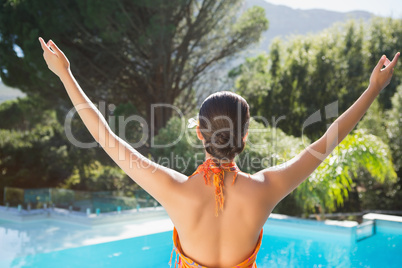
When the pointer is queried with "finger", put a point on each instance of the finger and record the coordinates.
(380, 62)
(394, 61)
(387, 61)
(42, 43)
(44, 46)
(48, 45)
(55, 48)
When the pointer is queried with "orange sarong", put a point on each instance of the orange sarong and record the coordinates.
(186, 262)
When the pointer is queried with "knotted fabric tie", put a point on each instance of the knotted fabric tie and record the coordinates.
(210, 167)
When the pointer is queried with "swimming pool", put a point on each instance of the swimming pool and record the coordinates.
(294, 243)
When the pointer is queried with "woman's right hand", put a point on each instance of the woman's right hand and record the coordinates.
(380, 77)
(55, 58)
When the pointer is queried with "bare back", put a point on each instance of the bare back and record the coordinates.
(231, 237)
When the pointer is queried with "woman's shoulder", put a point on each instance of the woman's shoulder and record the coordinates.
(252, 177)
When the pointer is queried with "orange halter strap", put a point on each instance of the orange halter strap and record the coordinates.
(217, 169)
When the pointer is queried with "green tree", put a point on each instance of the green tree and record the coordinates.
(302, 75)
(35, 153)
(35, 158)
(394, 128)
(98, 177)
(358, 154)
(177, 147)
(384, 36)
(20, 114)
(137, 51)
(375, 122)
(387, 125)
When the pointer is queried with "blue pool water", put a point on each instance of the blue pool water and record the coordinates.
(281, 247)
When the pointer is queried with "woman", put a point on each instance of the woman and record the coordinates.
(215, 228)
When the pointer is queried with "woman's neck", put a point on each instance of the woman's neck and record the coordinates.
(208, 156)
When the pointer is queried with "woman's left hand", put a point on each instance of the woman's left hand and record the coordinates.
(381, 77)
(55, 58)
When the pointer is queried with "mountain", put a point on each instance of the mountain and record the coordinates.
(285, 21)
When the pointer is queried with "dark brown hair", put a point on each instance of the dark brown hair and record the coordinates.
(224, 118)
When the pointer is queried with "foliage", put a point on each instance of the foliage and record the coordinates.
(391, 194)
(266, 147)
(330, 184)
(386, 125)
(98, 177)
(35, 153)
(140, 51)
(34, 158)
(19, 115)
(178, 147)
(375, 122)
(300, 76)
(123, 121)
(394, 128)
(374, 195)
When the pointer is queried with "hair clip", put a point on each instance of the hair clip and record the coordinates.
(192, 122)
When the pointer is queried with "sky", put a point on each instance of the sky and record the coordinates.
(389, 8)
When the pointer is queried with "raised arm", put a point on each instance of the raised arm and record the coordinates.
(161, 182)
(284, 178)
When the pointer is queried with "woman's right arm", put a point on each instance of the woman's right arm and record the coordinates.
(159, 181)
(286, 177)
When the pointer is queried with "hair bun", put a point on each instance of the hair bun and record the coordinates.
(223, 122)
(222, 138)
(224, 147)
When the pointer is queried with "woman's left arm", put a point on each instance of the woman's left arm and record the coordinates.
(161, 182)
(286, 177)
